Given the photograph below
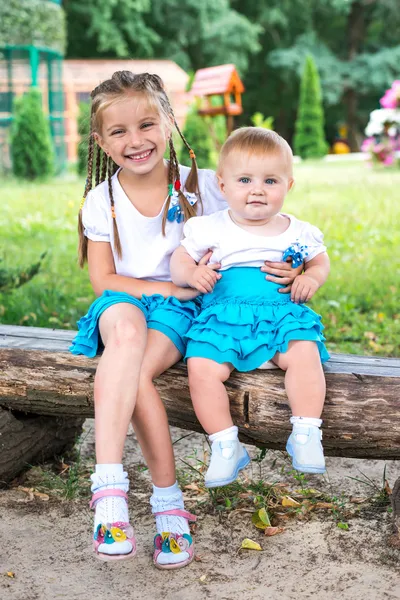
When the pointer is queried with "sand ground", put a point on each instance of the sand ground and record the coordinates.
(47, 544)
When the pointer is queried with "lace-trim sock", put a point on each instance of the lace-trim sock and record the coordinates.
(110, 509)
(169, 498)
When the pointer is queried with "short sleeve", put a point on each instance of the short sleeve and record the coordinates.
(213, 200)
(313, 238)
(197, 238)
(94, 218)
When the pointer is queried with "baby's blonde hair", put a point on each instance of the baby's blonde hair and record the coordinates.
(255, 140)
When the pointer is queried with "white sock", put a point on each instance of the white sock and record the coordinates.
(169, 498)
(111, 508)
(299, 422)
(226, 435)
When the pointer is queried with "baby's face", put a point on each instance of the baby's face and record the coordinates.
(254, 185)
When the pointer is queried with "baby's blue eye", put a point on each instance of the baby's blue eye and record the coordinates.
(244, 180)
(270, 181)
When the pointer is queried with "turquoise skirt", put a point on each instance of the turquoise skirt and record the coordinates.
(167, 315)
(245, 321)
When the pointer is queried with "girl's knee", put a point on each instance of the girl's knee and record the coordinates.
(125, 331)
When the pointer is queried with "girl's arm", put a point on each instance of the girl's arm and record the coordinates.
(315, 274)
(186, 272)
(103, 277)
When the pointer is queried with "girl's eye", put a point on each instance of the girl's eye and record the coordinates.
(117, 132)
(270, 181)
(244, 180)
(146, 125)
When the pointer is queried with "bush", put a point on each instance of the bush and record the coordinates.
(198, 134)
(83, 130)
(31, 146)
(309, 139)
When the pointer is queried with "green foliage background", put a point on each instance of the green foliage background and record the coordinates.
(32, 22)
(349, 202)
(31, 146)
(309, 140)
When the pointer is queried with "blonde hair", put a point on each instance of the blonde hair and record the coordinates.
(255, 140)
(102, 167)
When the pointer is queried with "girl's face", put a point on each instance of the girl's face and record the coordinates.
(133, 134)
(255, 186)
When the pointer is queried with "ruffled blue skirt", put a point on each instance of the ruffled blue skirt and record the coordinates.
(245, 321)
(168, 315)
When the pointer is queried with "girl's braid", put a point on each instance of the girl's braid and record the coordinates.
(98, 164)
(110, 173)
(83, 243)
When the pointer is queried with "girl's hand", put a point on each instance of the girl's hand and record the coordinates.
(204, 278)
(303, 288)
(183, 294)
(282, 272)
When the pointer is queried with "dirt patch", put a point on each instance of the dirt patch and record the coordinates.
(47, 544)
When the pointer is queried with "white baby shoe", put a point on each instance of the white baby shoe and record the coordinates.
(227, 459)
(305, 448)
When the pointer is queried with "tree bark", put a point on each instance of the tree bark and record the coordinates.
(361, 414)
(27, 439)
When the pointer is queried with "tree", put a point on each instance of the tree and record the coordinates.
(31, 146)
(309, 139)
(194, 34)
(83, 130)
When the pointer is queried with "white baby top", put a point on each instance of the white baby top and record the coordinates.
(146, 252)
(233, 246)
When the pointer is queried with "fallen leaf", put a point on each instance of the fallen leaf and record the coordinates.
(261, 519)
(387, 488)
(288, 501)
(273, 530)
(44, 497)
(356, 500)
(323, 505)
(10, 574)
(370, 335)
(203, 578)
(342, 525)
(198, 558)
(248, 544)
(192, 486)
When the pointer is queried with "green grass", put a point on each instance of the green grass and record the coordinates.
(357, 209)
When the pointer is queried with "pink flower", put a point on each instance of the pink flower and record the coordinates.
(389, 160)
(391, 98)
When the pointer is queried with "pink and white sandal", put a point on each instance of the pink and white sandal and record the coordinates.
(112, 533)
(174, 542)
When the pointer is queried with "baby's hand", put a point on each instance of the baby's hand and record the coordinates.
(282, 273)
(303, 288)
(204, 277)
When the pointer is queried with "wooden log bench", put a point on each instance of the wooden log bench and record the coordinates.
(46, 393)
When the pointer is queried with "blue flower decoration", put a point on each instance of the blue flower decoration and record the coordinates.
(175, 212)
(297, 252)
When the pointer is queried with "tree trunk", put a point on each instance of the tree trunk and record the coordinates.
(355, 37)
(361, 414)
(27, 439)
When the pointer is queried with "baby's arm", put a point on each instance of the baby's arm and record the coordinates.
(103, 277)
(315, 274)
(186, 272)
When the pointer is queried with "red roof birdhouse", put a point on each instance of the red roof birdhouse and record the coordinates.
(218, 81)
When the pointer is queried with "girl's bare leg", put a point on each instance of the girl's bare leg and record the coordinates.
(152, 430)
(304, 378)
(124, 333)
(208, 393)
(149, 419)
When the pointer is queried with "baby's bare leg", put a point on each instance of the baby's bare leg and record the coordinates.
(304, 378)
(208, 393)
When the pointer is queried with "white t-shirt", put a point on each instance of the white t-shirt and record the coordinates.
(233, 246)
(146, 252)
